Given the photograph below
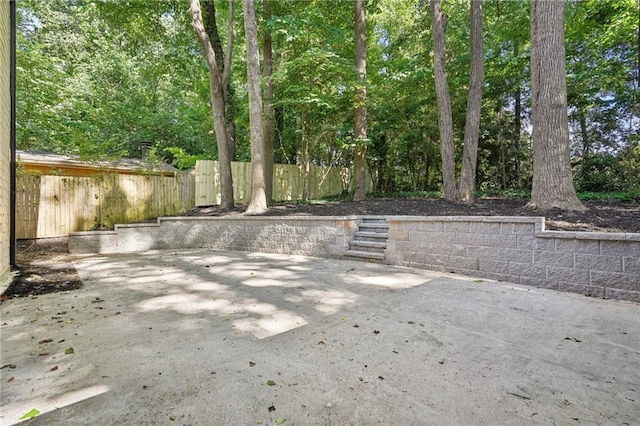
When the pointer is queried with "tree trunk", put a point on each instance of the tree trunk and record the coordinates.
(360, 122)
(258, 203)
(517, 130)
(217, 103)
(269, 112)
(445, 120)
(552, 176)
(224, 66)
(305, 153)
(474, 105)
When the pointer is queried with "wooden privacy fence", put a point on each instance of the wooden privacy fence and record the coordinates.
(53, 206)
(288, 182)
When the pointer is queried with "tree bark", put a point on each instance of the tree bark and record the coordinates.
(552, 177)
(474, 106)
(258, 203)
(224, 66)
(218, 107)
(445, 120)
(269, 112)
(360, 122)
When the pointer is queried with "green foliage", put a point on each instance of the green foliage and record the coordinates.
(97, 78)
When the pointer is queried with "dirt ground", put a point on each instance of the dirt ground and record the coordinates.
(47, 267)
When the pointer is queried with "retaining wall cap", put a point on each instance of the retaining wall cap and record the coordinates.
(583, 235)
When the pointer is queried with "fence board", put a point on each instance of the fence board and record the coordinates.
(53, 206)
(287, 182)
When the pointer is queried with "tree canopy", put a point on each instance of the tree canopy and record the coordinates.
(98, 78)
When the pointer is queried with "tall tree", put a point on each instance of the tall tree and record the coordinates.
(224, 64)
(360, 124)
(445, 120)
(474, 105)
(552, 176)
(218, 105)
(258, 203)
(269, 111)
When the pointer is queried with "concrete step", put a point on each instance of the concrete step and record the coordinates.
(368, 245)
(370, 236)
(373, 226)
(365, 254)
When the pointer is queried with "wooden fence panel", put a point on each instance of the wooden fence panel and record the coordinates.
(288, 180)
(54, 206)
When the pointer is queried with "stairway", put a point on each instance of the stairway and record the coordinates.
(370, 240)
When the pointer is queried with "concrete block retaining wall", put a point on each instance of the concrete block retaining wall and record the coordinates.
(520, 251)
(312, 236)
(512, 249)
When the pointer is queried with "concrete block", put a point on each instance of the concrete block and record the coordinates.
(516, 255)
(545, 244)
(517, 228)
(601, 263)
(498, 240)
(615, 280)
(470, 239)
(613, 293)
(494, 266)
(621, 248)
(413, 257)
(587, 290)
(435, 259)
(631, 265)
(395, 234)
(484, 227)
(526, 242)
(466, 263)
(437, 237)
(482, 252)
(441, 248)
(578, 246)
(569, 275)
(538, 283)
(552, 259)
(457, 226)
(527, 270)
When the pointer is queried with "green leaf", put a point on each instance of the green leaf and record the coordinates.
(31, 414)
(280, 421)
(68, 351)
(271, 383)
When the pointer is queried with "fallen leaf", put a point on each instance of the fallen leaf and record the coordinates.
(280, 421)
(410, 322)
(272, 408)
(45, 341)
(376, 331)
(68, 351)
(380, 377)
(118, 313)
(11, 379)
(321, 342)
(271, 383)
(54, 368)
(12, 366)
(172, 418)
(43, 354)
(31, 414)
(252, 364)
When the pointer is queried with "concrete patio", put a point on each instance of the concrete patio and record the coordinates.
(202, 337)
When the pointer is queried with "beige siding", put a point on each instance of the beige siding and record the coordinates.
(5, 146)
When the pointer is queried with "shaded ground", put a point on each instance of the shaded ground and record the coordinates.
(47, 267)
(195, 337)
